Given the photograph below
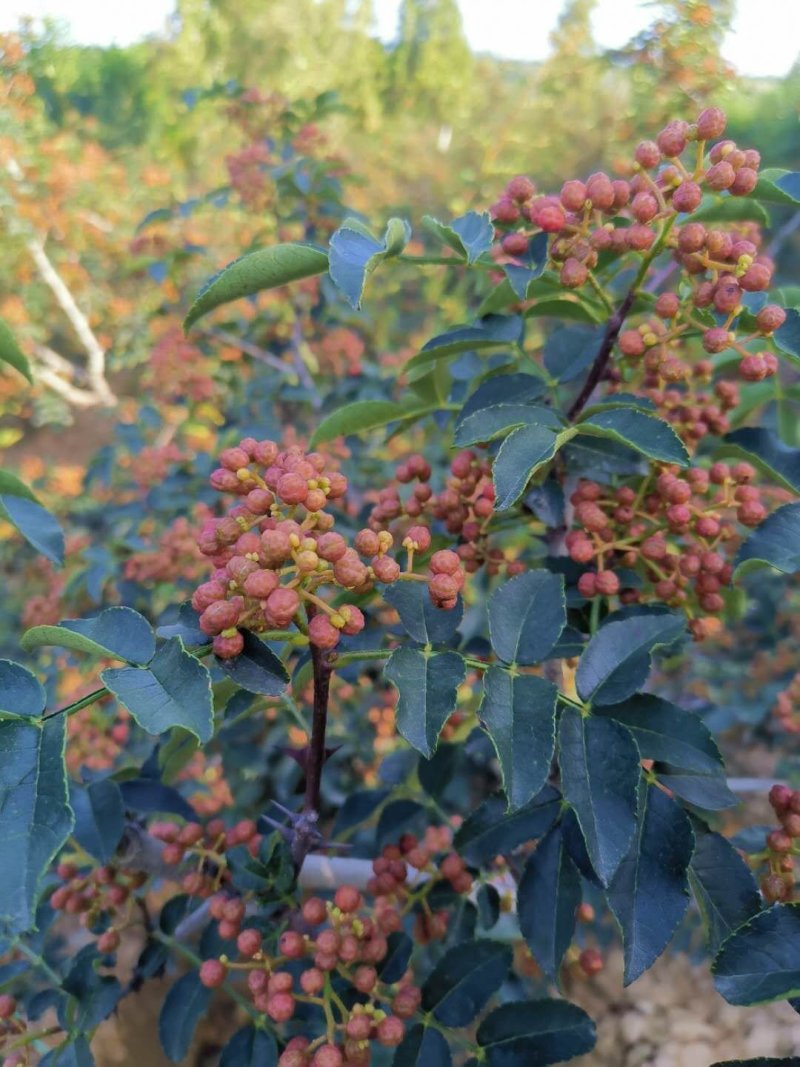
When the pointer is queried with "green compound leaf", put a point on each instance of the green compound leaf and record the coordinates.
(723, 886)
(185, 1004)
(265, 269)
(21, 692)
(775, 543)
(35, 816)
(19, 506)
(519, 714)
(464, 979)
(521, 455)
(427, 684)
(548, 895)
(423, 1047)
(469, 235)
(174, 690)
(664, 732)
(616, 662)
(526, 616)
(649, 894)
(765, 450)
(760, 961)
(357, 418)
(535, 1033)
(646, 434)
(11, 353)
(118, 632)
(491, 829)
(600, 775)
(355, 253)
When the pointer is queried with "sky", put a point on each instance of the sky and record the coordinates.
(765, 38)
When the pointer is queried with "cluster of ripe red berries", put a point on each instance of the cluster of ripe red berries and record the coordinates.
(787, 705)
(205, 847)
(100, 894)
(782, 845)
(676, 533)
(333, 937)
(465, 507)
(276, 549)
(580, 216)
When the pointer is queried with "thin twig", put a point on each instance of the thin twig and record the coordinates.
(603, 356)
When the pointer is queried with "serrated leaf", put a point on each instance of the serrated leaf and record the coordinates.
(250, 1047)
(775, 543)
(500, 419)
(766, 451)
(649, 893)
(11, 353)
(494, 331)
(427, 684)
(564, 308)
(464, 979)
(174, 690)
(519, 714)
(569, 350)
(21, 692)
(535, 1033)
(708, 791)
(419, 616)
(662, 731)
(99, 817)
(731, 209)
(355, 253)
(255, 272)
(760, 961)
(423, 1047)
(35, 816)
(502, 389)
(492, 830)
(650, 436)
(600, 773)
(521, 455)
(778, 186)
(616, 662)
(256, 669)
(723, 886)
(358, 417)
(39, 528)
(468, 235)
(181, 1011)
(787, 336)
(548, 896)
(119, 632)
(526, 616)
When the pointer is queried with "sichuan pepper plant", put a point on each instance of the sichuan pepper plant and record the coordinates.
(585, 473)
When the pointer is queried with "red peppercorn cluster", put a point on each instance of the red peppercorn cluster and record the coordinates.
(338, 936)
(778, 883)
(679, 534)
(103, 893)
(465, 506)
(661, 187)
(204, 847)
(271, 558)
(787, 706)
